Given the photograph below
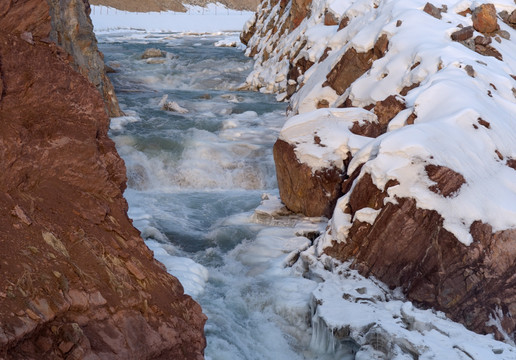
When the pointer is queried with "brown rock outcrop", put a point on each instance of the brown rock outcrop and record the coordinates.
(462, 34)
(330, 18)
(386, 110)
(350, 67)
(432, 10)
(485, 19)
(407, 247)
(304, 191)
(76, 279)
(353, 64)
(67, 24)
(448, 182)
(246, 35)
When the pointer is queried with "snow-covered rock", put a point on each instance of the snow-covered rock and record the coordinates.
(428, 197)
(351, 316)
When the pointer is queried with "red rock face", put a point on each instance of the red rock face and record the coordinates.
(407, 247)
(304, 191)
(353, 64)
(76, 280)
(14, 17)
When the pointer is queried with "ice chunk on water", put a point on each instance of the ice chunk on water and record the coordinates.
(232, 41)
(164, 104)
(118, 123)
(193, 276)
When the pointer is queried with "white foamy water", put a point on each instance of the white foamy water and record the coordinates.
(195, 180)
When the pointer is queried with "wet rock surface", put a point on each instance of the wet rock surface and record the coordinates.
(76, 279)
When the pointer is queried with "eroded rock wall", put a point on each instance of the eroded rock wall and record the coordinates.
(76, 279)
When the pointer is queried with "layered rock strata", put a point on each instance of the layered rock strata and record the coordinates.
(425, 186)
(76, 279)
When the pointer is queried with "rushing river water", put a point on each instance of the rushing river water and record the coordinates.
(194, 181)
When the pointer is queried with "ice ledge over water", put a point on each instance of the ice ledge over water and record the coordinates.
(354, 317)
(349, 310)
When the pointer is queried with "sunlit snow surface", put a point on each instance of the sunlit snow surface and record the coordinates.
(195, 192)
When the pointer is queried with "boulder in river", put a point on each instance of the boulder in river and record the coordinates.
(153, 53)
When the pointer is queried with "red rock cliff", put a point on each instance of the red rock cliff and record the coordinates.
(67, 24)
(76, 279)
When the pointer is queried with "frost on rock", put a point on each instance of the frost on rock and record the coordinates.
(426, 183)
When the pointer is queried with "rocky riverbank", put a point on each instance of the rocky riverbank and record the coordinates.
(402, 132)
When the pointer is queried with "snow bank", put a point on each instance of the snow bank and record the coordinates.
(335, 140)
(210, 19)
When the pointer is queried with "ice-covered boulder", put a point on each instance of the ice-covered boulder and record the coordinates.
(428, 201)
(173, 106)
